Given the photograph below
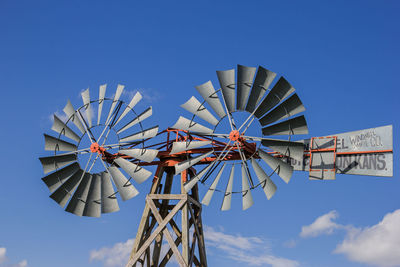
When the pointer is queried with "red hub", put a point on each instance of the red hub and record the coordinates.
(234, 135)
(96, 148)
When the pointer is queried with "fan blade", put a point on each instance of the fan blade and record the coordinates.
(181, 166)
(281, 168)
(54, 180)
(93, 202)
(195, 107)
(266, 183)
(226, 204)
(71, 114)
(148, 133)
(147, 155)
(64, 192)
(279, 92)
(55, 144)
(183, 146)
(144, 115)
(135, 171)
(78, 200)
(261, 83)
(191, 126)
(124, 187)
(291, 149)
(61, 128)
(52, 163)
(102, 92)
(192, 182)
(297, 125)
(131, 105)
(247, 199)
(207, 91)
(227, 81)
(118, 93)
(109, 201)
(286, 109)
(244, 81)
(86, 102)
(207, 198)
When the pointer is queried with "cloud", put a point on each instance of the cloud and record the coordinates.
(252, 251)
(376, 245)
(322, 225)
(4, 262)
(117, 255)
(148, 95)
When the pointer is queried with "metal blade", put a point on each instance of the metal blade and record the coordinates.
(244, 81)
(93, 202)
(191, 126)
(124, 187)
(227, 81)
(247, 199)
(281, 168)
(54, 180)
(64, 192)
(207, 198)
(281, 90)
(189, 184)
(53, 163)
(291, 149)
(195, 107)
(147, 155)
(61, 128)
(135, 171)
(148, 133)
(226, 204)
(207, 91)
(118, 93)
(286, 109)
(72, 116)
(297, 125)
(78, 200)
(181, 166)
(131, 105)
(109, 201)
(183, 146)
(86, 102)
(266, 183)
(55, 144)
(102, 92)
(261, 84)
(141, 117)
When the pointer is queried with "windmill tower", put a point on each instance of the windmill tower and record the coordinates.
(242, 131)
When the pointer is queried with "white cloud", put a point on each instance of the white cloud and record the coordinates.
(149, 95)
(4, 262)
(252, 251)
(117, 255)
(322, 225)
(376, 245)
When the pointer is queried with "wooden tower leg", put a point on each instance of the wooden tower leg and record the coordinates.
(159, 212)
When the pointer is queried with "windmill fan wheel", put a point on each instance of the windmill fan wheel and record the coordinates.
(89, 152)
(244, 121)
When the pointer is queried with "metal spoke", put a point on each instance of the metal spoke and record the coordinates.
(246, 166)
(228, 113)
(91, 138)
(112, 119)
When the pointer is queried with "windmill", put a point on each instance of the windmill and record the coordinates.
(244, 131)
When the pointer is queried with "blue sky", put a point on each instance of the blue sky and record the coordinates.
(342, 57)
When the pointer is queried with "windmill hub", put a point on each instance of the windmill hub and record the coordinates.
(234, 135)
(96, 148)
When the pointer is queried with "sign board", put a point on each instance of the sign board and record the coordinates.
(364, 152)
